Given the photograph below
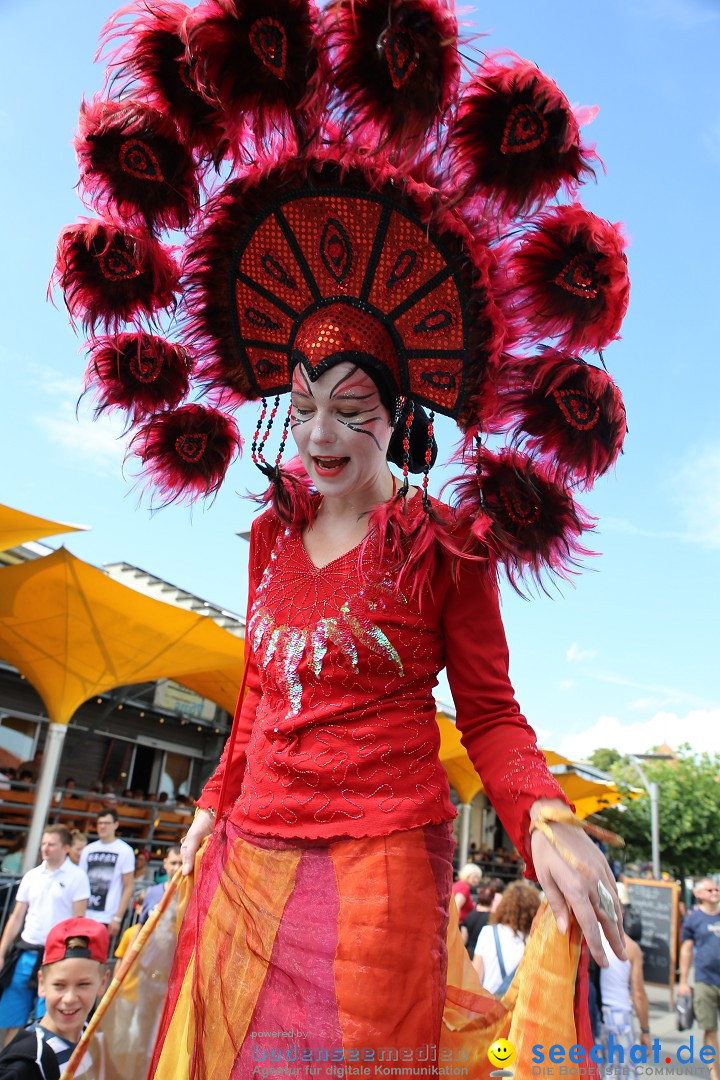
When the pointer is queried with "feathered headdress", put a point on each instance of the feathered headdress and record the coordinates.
(342, 192)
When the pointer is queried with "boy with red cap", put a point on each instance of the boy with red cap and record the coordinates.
(71, 977)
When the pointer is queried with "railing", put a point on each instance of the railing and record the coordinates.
(150, 824)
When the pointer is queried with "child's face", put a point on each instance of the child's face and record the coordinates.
(70, 988)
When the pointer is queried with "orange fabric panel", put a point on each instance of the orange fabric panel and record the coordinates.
(388, 912)
(472, 1018)
(542, 994)
(248, 906)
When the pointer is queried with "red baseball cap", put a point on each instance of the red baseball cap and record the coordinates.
(61, 943)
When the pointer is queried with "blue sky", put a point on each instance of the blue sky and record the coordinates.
(627, 656)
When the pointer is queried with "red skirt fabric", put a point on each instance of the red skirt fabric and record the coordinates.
(338, 957)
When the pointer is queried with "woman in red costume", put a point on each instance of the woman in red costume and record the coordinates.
(378, 250)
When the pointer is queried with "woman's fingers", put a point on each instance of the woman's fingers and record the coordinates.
(555, 899)
(587, 916)
(590, 893)
(188, 850)
(201, 827)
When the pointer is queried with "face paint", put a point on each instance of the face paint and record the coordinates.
(341, 429)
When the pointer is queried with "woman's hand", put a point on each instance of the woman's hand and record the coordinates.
(570, 889)
(203, 824)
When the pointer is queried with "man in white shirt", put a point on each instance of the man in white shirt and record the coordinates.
(48, 894)
(110, 864)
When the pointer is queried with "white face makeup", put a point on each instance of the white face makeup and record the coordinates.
(341, 429)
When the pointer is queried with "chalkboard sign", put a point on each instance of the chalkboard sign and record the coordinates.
(657, 903)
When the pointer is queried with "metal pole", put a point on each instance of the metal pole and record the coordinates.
(46, 784)
(652, 790)
(654, 828)
(465, 809)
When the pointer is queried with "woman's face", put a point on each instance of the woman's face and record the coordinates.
(341, 428)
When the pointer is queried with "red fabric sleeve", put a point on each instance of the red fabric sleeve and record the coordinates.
(260, 547)
(500, 742)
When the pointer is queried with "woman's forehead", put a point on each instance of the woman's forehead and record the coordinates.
(342, 379)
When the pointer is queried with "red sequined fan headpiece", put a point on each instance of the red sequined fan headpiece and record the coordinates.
(344, 196)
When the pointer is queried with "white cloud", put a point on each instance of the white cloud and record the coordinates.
(565, 685)
(95, 447)
(711, 141)
(54, 383)
(698, 727)
(656, 696)
(696, 492)
(684, 14)
(576, 655)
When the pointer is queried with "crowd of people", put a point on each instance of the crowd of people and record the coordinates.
(70, 910)
(25, 775)
(77, 885)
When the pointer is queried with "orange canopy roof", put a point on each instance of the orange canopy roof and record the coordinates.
(17, 527)
(73, 632)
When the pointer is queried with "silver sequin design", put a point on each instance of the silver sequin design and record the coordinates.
(285, 646)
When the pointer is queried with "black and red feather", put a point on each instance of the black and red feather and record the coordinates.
(139, 373)
(259, 60)
(570, 279)
(521, 515)
(134, 163)
(395, 65)
(568, 411)
(111, 275)
(186, 452)
(517, 139)
(153, 60)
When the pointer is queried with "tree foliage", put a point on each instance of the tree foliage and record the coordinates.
(688, 812)
(604, 759)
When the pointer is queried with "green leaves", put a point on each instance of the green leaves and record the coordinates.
(688, 811)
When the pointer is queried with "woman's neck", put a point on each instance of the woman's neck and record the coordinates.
(349, 510)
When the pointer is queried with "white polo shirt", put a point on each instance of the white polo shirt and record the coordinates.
(50, 895)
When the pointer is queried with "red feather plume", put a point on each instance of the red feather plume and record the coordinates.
(139, 373)
(258, 58)
(132, 161)
(517, 139)
(109, 274)
(571, 279)
(291, 494)
(395, 64)
(154, 61)
(568, 411)
(521, 515)
(186, 452)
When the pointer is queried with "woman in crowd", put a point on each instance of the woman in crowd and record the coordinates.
(501, 943)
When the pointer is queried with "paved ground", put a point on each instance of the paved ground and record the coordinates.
(662, 1027)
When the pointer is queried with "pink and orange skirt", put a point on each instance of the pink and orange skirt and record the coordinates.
(345, 959)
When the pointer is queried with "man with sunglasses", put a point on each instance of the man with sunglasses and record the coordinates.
(701, 942)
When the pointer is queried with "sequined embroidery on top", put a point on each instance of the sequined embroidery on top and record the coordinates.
(284, 645)
(526, 772)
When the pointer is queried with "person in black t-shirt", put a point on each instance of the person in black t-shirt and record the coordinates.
(475, 921)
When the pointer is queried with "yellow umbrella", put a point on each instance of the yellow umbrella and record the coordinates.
(454, 759)
(589, 796)
(17, 527)
(73, 633)
(461, 773)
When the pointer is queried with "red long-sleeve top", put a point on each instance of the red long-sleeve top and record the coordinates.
(337, 734)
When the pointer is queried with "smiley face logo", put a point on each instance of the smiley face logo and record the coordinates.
(501, 1053)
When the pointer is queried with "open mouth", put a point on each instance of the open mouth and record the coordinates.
(329, 466)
